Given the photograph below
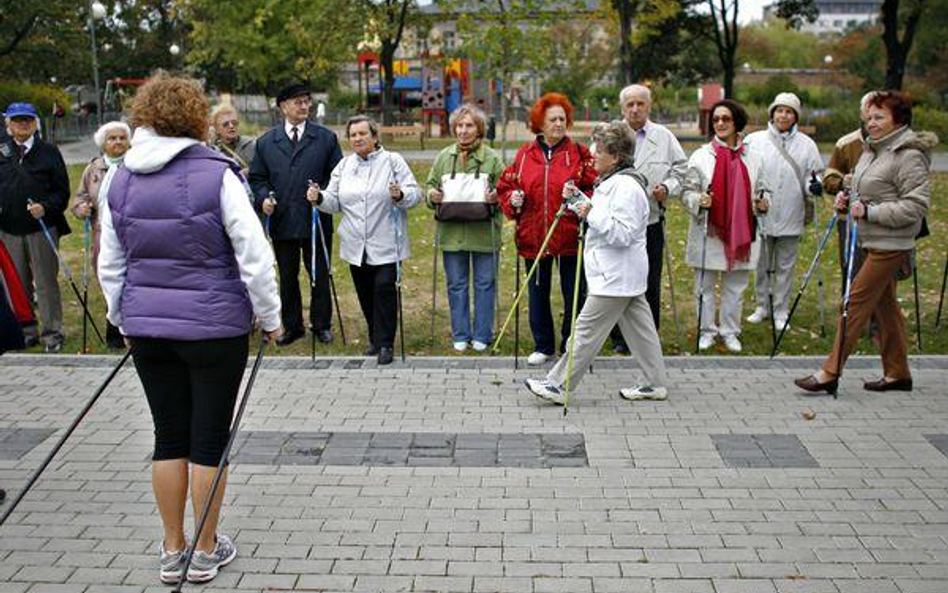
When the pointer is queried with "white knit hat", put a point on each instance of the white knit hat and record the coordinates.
(786, 100)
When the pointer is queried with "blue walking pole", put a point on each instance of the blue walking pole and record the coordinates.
(312, 273)
(396, 222)
(87, 244)
(68, 274)
(850, 257)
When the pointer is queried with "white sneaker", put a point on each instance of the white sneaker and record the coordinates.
(780, 320)
(479, 346)
(460, 346)
(758, 315)
(732, 343)
(639, 392)
(537, 358)
(706, 340)
(546, 390)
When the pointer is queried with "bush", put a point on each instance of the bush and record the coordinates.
(41, 96)
(931, 120)
(830, 127)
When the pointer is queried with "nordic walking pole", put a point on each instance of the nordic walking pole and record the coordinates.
(941, 298)
(434, 279)
(851, 255)
(396, 222)
(820, 296)
(517, 211)
(918, 312)
(314, 216)
(575, 315)
(817, 258)
(533, 268)
(668, 266)
(772, 241)
(266, 224)
(87, 245)
(68, 274)
(704, 253)
(62, 439)
(332, 281)
(222, 464)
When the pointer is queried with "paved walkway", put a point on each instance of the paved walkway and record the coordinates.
(445, 475)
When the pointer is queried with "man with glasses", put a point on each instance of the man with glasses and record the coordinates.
(227, 138)
(34, 184)
(287, 158)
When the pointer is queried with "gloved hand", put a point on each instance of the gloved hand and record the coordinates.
(816, 187)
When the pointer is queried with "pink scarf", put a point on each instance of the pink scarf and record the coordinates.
(731, 215)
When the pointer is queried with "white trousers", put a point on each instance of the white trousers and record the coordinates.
(599, 315)
(778, 255)
(733, 284)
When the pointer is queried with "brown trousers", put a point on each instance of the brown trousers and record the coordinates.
(873, 296)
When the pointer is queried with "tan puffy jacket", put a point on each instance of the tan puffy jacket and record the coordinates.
(892, 180)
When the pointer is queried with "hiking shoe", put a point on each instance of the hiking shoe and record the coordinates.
(479, 346)
(758, 315)
(640, 392)
(204, 566)
(171, 564)
(54, 347)
(460, 346)
(706, 340)
(546, 390)
(537, 358)
(732, 343)
(780, 320)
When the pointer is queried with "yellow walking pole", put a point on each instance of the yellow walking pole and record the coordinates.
(572, 325)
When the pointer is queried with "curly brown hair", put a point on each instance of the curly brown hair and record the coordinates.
(173, 106)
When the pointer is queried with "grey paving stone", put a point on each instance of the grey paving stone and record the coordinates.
(17, 442)
(939, 441)
(763, 451)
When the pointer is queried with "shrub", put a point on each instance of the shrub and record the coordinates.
(931, 120)
(41, 96)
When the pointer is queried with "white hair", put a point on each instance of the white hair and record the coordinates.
(222, 108)
(634, 89)
(104, 129)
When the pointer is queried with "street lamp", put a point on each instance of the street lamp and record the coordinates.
(96, 12)
(174, 49)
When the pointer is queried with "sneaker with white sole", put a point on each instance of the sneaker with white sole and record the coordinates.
(479, 346)
(732, 343)
(546, 390)
(171, 564)
(460, 346)
(640, 392)
(780, 320)
(537, 358)
(204, 566)
(758, 315)
(706, 340)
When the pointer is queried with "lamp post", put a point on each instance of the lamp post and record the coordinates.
(96, 12)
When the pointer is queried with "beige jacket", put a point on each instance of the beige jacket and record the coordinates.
(892, 180)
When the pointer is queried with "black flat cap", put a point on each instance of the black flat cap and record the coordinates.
(291, 91)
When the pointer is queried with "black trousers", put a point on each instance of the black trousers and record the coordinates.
(191, 388)
(288, 254)
(654, 246)
(378, 298)
(541, 314)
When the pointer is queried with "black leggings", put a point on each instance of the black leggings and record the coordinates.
(191, 388)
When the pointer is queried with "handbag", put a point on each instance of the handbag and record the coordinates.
(465, 197)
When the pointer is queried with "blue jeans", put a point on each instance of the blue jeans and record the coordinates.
(541, 313)
(457, 266)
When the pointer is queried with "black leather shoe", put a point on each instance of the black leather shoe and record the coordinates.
(324, 336)
(386, 355)
(812, 385)
(371, 350)
(289, 337)
(883, 385)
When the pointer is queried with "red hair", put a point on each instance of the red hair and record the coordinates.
(538, 111)
(897, 103)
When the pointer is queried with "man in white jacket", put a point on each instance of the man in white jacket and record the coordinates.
(792, 167)
(661, 160)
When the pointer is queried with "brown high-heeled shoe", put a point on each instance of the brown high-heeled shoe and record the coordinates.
(813, 385)
(883, 385)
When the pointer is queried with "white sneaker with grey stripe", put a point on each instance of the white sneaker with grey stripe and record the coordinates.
(204, 566)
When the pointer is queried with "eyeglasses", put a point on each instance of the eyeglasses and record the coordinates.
(231, 123)
(21, 119)
(724, 119)
(301, 101)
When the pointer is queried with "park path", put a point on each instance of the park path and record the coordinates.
(444, 475)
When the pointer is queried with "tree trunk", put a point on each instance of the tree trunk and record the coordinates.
(387, 63)
(626, 62)
(897, 50)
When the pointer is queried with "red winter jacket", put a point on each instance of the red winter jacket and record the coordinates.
(542, 183)
(19, 301)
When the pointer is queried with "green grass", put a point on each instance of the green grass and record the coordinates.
(804, 337)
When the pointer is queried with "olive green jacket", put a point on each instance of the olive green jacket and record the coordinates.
(467, 236)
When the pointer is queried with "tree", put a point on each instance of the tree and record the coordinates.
(262, 44)
(897, 49)
(671, 43)
(387, 21)
(626, 11)
(41, 40)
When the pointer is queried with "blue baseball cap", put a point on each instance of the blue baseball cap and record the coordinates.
(21, 110)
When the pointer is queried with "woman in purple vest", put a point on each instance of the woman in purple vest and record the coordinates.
(185, 267)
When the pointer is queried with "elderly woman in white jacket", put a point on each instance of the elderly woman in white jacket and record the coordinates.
(793, 165)
(616, 268)
(374, 189)
(724, 191)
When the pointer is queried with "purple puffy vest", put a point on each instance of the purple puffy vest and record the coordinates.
(182, 279)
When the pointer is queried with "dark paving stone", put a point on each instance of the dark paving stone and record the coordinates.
(422, 449)
(762, 451)
(939, 441)
(17, 442)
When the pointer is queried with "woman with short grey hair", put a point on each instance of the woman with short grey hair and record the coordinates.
(616, 267)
